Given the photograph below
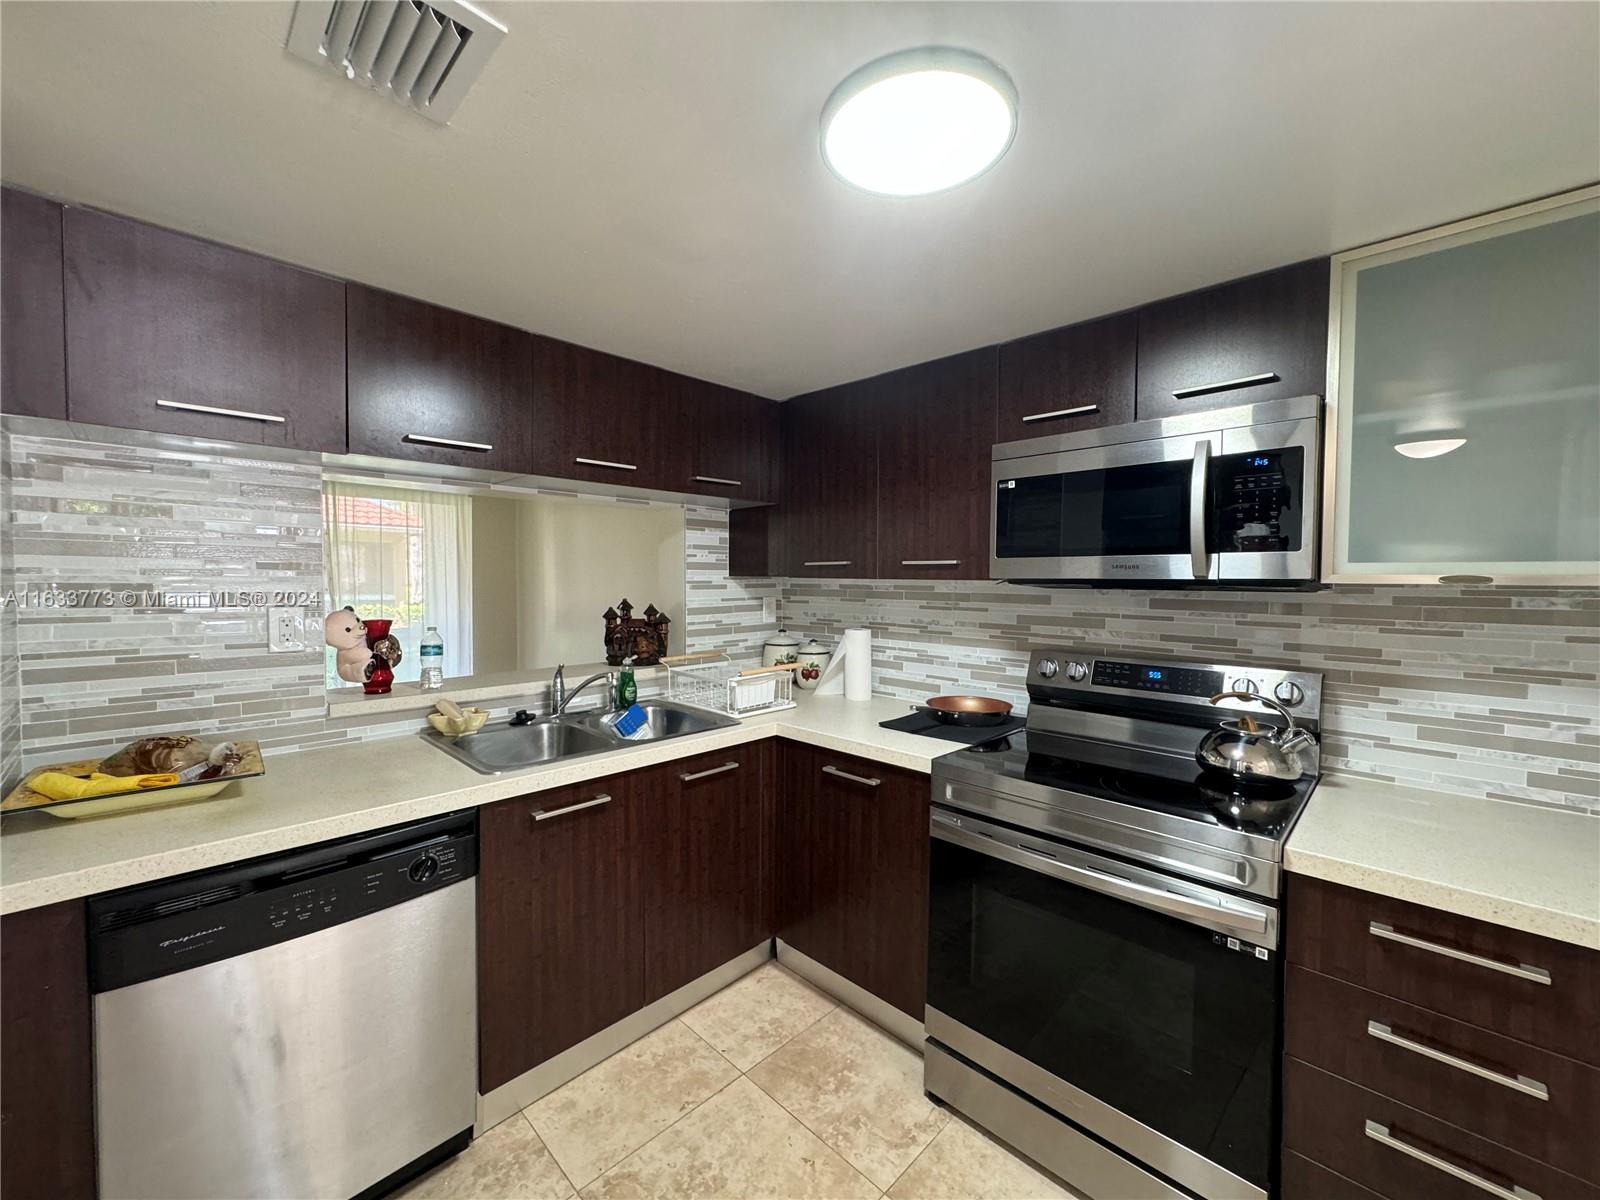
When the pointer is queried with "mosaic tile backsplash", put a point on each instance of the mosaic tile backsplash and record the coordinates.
(1478, 690)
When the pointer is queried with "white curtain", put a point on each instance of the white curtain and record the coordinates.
(404, 554)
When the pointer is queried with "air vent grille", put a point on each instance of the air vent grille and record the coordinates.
(120, 917)
(425, 56)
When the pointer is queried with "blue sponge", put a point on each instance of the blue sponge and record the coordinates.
(629, 722)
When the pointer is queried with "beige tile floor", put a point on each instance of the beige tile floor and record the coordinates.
(767, 1089)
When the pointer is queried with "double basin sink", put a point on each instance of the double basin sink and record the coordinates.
(507, 747)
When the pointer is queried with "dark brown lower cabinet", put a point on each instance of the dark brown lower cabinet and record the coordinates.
(560, 921)
(1306, 1180)
(46, 1056)
(706, 834)
(852, 848)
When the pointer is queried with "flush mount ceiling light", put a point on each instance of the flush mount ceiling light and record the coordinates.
(919, 121)
(1429, 447)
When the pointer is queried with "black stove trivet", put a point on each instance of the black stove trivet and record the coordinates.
(922, 723)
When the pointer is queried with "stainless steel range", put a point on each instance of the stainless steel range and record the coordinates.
(1104, 984)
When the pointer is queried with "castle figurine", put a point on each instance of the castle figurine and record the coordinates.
(644, 638)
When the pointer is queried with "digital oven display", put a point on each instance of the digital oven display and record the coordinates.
(1174, 681)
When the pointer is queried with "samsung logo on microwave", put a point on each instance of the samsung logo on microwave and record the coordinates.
(1117, 566)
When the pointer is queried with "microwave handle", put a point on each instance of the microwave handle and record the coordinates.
(1199, 560)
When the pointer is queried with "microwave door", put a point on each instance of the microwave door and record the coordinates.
(1134, 511)
(1263, 502)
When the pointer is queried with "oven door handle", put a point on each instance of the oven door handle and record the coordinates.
(1140, 894)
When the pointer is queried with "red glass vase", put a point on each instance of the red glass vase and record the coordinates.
(380, 673)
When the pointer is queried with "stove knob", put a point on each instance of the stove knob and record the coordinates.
(1076, 671)
(1288, 692)
(1048, 668)
(423, 869)
(1245, 684)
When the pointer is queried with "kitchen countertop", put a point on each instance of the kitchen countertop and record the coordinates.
(1525, 866)
(316, 795)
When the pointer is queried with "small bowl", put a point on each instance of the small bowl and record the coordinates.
(470, 721)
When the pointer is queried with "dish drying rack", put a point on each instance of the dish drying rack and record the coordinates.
(713, 681)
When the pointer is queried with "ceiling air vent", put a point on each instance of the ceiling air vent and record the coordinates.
(422, 55)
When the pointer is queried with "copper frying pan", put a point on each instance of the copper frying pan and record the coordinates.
(967, 710)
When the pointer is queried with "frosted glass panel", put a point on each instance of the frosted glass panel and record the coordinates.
(1489, 340)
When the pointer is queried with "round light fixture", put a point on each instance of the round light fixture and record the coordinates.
(919, 121)
(1429, 447)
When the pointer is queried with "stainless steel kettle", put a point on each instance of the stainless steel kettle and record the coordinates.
(1252, 752)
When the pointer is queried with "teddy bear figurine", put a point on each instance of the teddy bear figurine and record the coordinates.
(347, 634)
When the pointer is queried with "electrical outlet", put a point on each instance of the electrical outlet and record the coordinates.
(769, 611)
(285, 630)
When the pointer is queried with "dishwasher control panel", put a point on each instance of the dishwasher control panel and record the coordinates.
(146, 932)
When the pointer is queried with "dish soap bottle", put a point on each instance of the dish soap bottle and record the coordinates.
(432, 660)
(627, 689)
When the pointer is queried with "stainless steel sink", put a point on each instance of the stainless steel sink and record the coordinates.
(507, 747)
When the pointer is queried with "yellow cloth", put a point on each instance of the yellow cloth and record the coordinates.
(59, 786)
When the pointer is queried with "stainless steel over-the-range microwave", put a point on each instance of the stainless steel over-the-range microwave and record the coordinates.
(1227, 497)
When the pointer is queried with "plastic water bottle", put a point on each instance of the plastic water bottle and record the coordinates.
(432, 659)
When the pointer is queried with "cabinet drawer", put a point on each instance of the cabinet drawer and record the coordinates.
(1530, 988)
(1306, 1180)
(1537, 1103)
(1402, 1153)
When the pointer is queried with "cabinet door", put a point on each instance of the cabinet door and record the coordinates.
(853, 892)
(560, 923)
(1260, 338)
(734, 439)
(33, 364)
(592, 415)
(1465, 405)
(435, 385)
(936, 422)
(46, 1056)
(1064, 380)
(829, 513)
(169, 333)
(704, 842)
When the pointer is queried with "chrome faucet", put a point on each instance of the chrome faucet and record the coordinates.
(560, 697)
(558, 688)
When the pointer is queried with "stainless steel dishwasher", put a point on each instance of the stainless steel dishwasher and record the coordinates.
(297, 1026)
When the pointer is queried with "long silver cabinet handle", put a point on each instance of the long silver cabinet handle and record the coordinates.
(828, 562)
(727, 766)
(423, 439)
(1517, 1083)
(930, 562)
(600, 462)
(603, 798)
(714, 479)
(1381, 1135)
(1226, 385)
(1199, 560)
(1521, 970)
(852, 778)
(244, 414)
(1081, 410)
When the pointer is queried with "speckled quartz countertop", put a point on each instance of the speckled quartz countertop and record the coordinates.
(320, 794)
(1525, 866)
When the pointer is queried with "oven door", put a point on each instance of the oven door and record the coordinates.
(1133, 511)
(1141, 1007)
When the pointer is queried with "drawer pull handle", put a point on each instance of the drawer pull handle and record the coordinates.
(1226, 385)
(1517, 1083)
(1080, 411)
(1381, 1135)
(244, 414)
(727, 766)
(714, 479)
(600, 462)
(852, 778)
(423, 439)
(1520, 970)
(572, 808)
(930, 562)
(828, 562)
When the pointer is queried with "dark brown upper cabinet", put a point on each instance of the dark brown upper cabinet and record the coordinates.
(935, 425)
(593, 414)
(1064, 380)
(33, 361)
(733, 438)
(829, 515)
(169, 333)
(436, 385)
(1260, 338)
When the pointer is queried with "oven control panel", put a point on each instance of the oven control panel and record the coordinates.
(1059, 676)
(1147, 677)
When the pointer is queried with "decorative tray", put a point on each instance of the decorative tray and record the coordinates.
(23, 797)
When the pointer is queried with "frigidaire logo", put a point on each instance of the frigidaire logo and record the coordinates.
(189, 937)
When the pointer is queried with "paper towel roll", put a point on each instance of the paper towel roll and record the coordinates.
(832, 681)
(857, 647)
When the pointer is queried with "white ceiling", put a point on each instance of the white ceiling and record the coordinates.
(644, 178)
